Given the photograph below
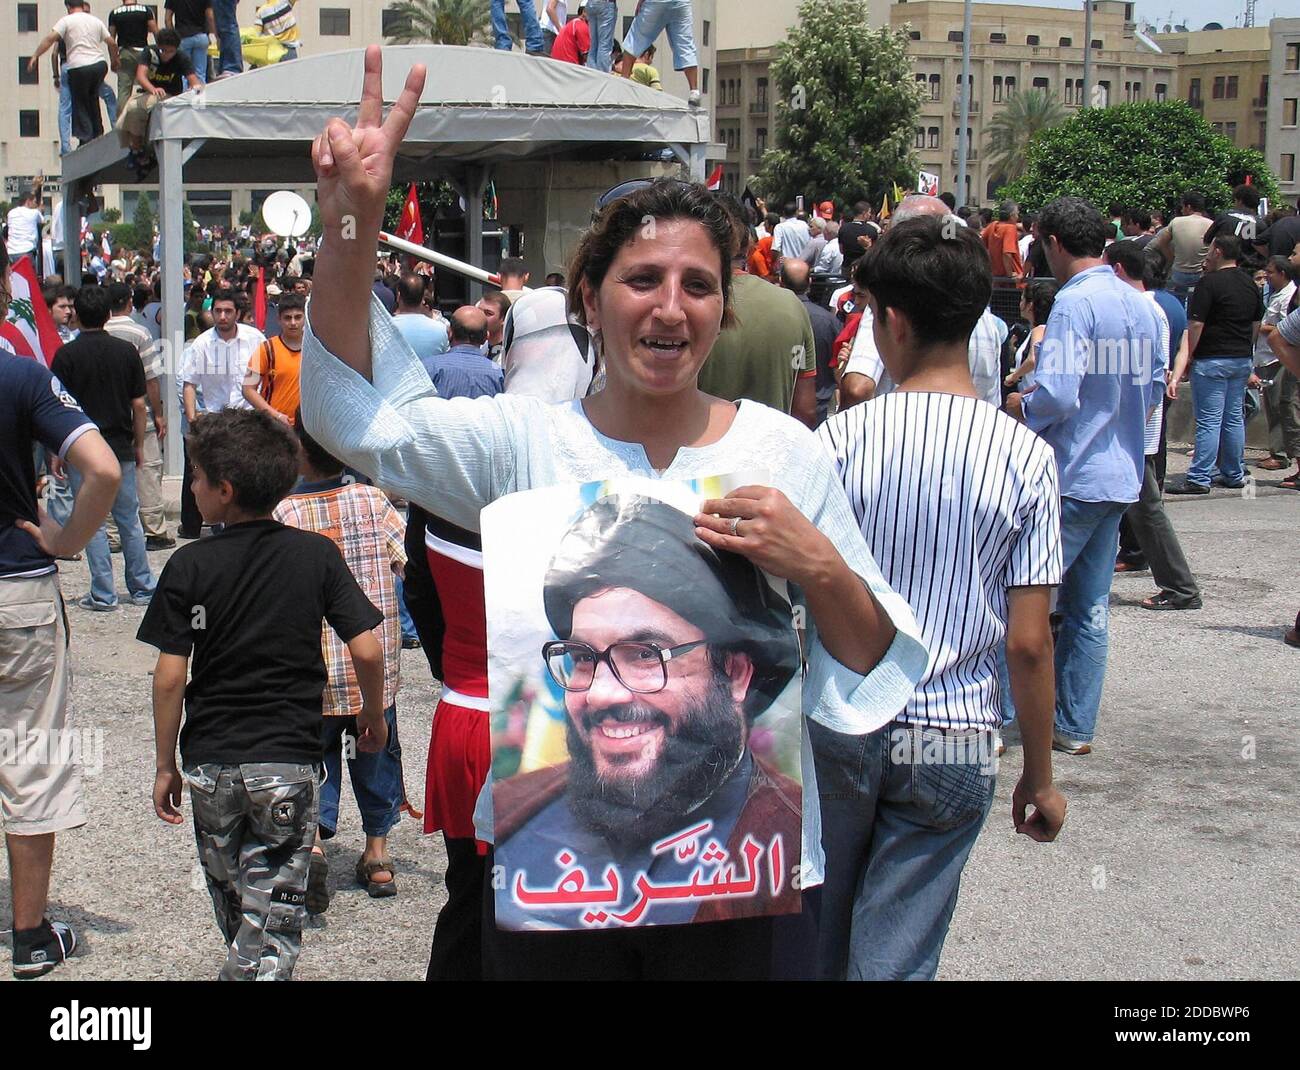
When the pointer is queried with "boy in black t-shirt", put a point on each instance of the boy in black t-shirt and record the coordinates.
(249, 603)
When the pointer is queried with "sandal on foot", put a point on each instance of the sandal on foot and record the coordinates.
(1292, 482)
(318, 874)
(1164, 600)
(365, 877)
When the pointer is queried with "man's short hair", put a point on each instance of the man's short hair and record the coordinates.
(1247, 196)
(861, 208)
(255, 453)
(1006, 210)
(119, 296)
(1139, 217)
(513, 265)
(289, 302)
(1193, 200)
(410, 290)
(59, 292)
(475, 333)
(1155, 269)
(1230, 246)
(502, 302)
(1076, 225)
(141, 296)
(1129, 256)
(650, 547)
(949, 200)
(936, 273)
(555, 278)
(317, 455)
(225, 293)
(167, 37)
(93, 306)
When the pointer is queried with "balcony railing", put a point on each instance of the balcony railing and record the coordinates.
(1197, 102)
(758, 107)
(971, 156)
(1259, 103)
(974, 107)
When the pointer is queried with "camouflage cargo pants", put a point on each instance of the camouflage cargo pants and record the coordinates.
(255, 824)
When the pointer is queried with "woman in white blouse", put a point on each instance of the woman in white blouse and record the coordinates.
(652, 279)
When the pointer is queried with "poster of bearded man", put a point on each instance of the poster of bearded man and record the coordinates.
(645, 711)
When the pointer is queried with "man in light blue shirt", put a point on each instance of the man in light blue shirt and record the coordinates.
(1094, 388)
(465, 370)
(424, 334)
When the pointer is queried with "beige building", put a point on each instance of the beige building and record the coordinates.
(29, 132)
(1283, 148)
(1224, 75)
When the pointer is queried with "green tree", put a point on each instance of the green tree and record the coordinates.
(432, 196)
(189, 231)
(111, 215)
(846, 108)
(1024, 116)
(143, 218)
(444, 22)
(1144, 154)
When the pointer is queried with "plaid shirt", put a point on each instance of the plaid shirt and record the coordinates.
(369, 533)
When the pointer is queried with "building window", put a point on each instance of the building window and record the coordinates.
(762, 139)
(761, 93)
(1066, 42)
(1162, 91)
(1104, 95)
(1069, 91)
(1031, 39)
(1289, 111)
(1293, 63)
(914, 35)
(954, 36)
(27, 18)
(1041, 83)
(1262, 102)
(1230, 131)
(997, 89)
(1232, 87)
(1194, 91)
(997, 39)
(921, 80)
(706, 33)
(29, 124)
(1011, 87)
(335, 22)
(1263, 136)
(934, 86)
(393, 22)
(919, 141)
(1096, 43)
(704, 82)
(934, 137)
(1287, 166)
(1217, 127)
(1220, 85)
(26, 77)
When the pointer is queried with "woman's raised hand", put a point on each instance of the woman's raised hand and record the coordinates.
(354, 164)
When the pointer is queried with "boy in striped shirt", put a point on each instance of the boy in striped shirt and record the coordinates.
(959, 505)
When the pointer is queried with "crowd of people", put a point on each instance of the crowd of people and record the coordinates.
(948, 499)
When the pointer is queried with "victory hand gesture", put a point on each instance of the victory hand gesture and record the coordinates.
(354, 164)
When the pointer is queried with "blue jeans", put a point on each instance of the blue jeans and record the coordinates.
(655, 16)
(109, 97)
(1182, 283)
(65, 117)
(404, 615)
(232, 51)
(1089, 543)
(376, 778)
(533, 41)
(140, 580)
(1218, 390)
(196, 48)
(901, 809)
(602, 20)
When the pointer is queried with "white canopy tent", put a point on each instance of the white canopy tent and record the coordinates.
(479, 106)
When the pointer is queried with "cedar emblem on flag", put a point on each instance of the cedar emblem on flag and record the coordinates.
(411, 227)
(29, 327)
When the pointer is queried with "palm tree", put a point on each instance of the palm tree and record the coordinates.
(1014, 127)
(444, 22)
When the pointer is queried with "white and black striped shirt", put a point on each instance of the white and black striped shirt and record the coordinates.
(957, 502)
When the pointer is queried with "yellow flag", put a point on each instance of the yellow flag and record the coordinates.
(884, 208)
(898, 194)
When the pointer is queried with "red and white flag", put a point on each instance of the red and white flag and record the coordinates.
(29, 327)
(411, 227)
(715, 179)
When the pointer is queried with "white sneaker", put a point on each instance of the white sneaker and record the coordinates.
(1070, 746)
(693, 98)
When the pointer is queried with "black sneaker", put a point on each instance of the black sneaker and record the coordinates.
(182, 533)
(37, 951)
(1187, 487)
(410, 644)
(159, 542)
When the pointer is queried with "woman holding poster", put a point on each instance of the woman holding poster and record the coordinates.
(652, 278)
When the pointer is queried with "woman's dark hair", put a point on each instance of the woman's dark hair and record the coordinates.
(934, 272)
(318, 457)
(1040, 295)
(255, 453)
(1076, 225)
(622, 220)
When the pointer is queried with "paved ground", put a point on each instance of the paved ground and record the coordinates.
(1179, 859)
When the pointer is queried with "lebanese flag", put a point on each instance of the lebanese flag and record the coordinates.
(30, 327)
(715, 179)
(411, 227)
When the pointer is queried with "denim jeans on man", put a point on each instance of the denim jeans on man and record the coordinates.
(1182, 283)
(106, 94)
(140, 580)
(231, 60)
(653, 17)
(901, 809)
(195, 48)
(1218, 390)
(602, 20)
(376, 777)
(533, 41)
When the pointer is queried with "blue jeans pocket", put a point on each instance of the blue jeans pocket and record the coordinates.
(952, 793)
(840, 760)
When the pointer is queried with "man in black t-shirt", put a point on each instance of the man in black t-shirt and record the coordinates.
(196, 23)
(1242, 221)
(105, 376)
(130, 25)
(160, 73)
(1282, 236)
(248, 604)
(850, 231)
(1223, 317)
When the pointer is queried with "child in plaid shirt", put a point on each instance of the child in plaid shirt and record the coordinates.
(370, 534)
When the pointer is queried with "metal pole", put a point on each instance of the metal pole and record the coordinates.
(171, 198)
(440, 259)
(962, 139)
(1087, 53)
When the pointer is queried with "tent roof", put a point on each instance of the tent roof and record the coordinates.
(479, 105)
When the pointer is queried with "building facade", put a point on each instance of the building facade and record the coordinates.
(1224, 75)
(1283, 148)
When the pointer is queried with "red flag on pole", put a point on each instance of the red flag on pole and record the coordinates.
(30, 329)
(411, 228)
(259, 300)
(715, 179)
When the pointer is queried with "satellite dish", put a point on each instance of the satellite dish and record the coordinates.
(1213, 26)
(286, 214)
